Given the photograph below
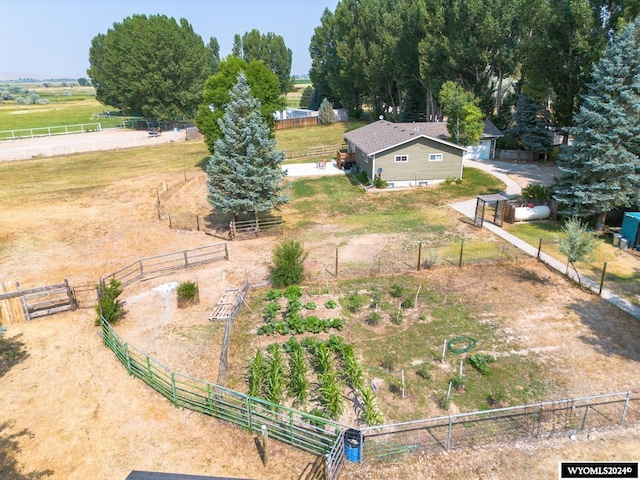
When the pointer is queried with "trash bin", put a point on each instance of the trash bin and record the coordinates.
(616, 239)
(353, 445)
(624, 244)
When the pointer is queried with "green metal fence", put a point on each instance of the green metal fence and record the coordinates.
(307, 432)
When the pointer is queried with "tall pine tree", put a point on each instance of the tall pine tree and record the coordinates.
(601, 171)
(244, 174)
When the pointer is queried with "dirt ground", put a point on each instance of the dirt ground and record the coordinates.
(68, 410)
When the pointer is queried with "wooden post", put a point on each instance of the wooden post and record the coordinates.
(539, 249)
(336, 262)
(198, 221)
(604, 271)
(169, 220)
(265, 445)
(403, 383)
(419, 255)
(72, 300)
(461, 250)
(185, 175)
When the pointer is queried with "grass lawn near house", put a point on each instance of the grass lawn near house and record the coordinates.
(623, 268)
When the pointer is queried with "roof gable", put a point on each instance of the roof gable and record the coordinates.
(382, 135)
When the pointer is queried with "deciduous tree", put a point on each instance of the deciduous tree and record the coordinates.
(264, 87)
(464, 118)
(150, 66)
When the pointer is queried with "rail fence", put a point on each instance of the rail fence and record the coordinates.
(307, 432)
(49, 131)
(388, 442)
(23, 305)
(313, 151)
(416, 256)
(160, 264)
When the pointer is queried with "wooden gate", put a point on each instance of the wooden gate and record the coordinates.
(18, 305)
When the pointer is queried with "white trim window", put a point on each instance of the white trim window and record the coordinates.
(435, 157)
(401, 159)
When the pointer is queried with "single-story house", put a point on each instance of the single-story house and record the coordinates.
(409, 154)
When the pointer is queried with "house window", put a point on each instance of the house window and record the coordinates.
(435, 157)
(401, 158)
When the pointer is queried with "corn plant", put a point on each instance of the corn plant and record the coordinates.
(331, 394)
(298, 382)
(351, 368)
(275, 379)
(370, 414)
(322, 358)
(256, 374)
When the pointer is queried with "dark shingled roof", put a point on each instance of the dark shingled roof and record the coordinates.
(382, 135)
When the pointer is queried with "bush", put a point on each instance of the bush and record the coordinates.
(540, 193)
(481, 362)
(379, 183)
(408, 302)
(374, 319)
(355, 301)
(109, 306)
(388, 363)
(187, 294)
(397, 290)
(424, 372)
(362, 177)
(288, 264)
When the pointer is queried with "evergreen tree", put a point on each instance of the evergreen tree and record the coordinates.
(244, 173)
(532, 125)
(601, 171)
(305, 98)
(325, 113)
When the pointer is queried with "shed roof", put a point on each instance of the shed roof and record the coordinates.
(382, 135)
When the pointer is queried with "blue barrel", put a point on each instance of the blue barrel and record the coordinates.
(353, 445)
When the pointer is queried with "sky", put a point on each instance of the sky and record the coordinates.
(51, 38)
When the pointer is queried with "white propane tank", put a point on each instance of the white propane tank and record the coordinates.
(539, 212)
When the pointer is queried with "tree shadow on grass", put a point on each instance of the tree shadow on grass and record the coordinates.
(614, 332)
(9, 447)
(12, 352)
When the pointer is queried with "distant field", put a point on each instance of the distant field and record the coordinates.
(62, 111)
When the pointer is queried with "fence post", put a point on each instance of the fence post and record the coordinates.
(461, 250)
(127, 357)
(169, 215)
(624, 409)
(198, 222)
(174, 393)
(419, 255)
(336, 262)
(265, 445)
(226, 251)
(586, 410)
(448, 446)
(186, 260)
(604, 271)
(539, 249)
(72, 300)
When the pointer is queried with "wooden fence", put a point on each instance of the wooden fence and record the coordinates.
(254, 228)
(150, 266)
(24, 305)
(307, 432)
(314, 151)
(296, 123)
(516, 155)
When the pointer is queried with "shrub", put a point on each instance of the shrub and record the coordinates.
(273, 294)
(355, 301)
(362, 177)
(109, 306)
(187, 294)
(537, 192)
(443, 401)
(330, 304)
(408, 302)
(424, 372)
(288, 264)
(374, 319)
(458, 382)
(388, 363)
(397, 290)
(397, 317)
(481, 362)
(379, 183)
